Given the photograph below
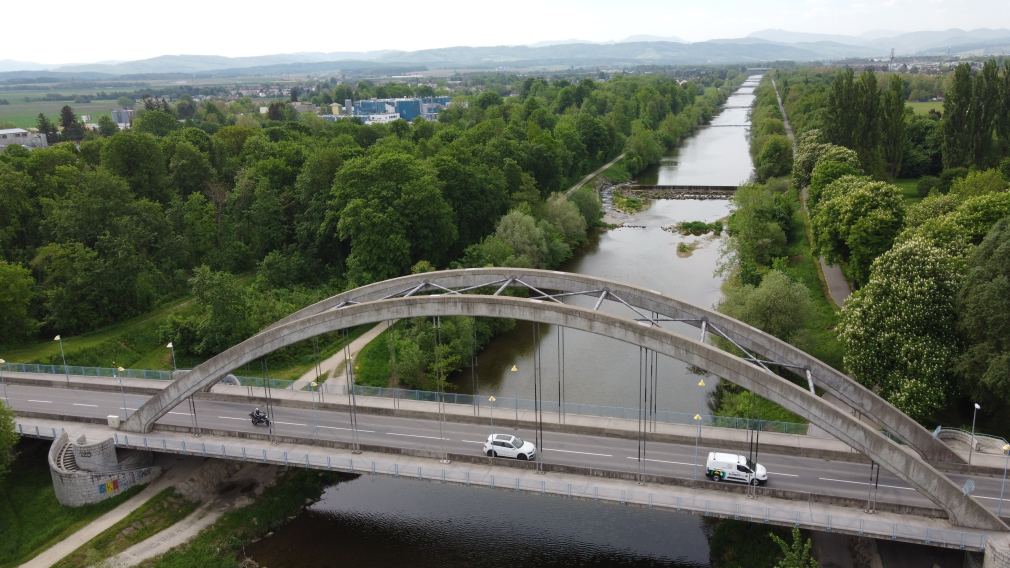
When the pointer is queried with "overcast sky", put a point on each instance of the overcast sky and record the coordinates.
(61, 31)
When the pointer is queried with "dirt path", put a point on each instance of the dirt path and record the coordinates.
(832, 276)
(333, 366)
(172, 475)
(586, 179)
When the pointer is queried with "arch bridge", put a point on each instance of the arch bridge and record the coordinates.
(493, 292)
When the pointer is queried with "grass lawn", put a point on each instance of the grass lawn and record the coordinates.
(31, 520)
(923, 107)
(373, 362)
(908, 191)
(25, 115)
(133, 343)
(822, 341)
(160, 512)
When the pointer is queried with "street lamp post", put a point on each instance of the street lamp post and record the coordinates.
(119, 375)
(697, 438)
(1006, 454)
(515, 369)
(172, 348)
(315, 407)
(491, 399)
(7, 401)
(971, 447)
(66, 373)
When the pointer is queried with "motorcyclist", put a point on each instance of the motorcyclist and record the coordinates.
(257, 414)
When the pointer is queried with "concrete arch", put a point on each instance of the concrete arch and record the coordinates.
(963, 510)
(868, 404)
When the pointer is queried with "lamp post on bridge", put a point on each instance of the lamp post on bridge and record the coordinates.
(172, 348)
(697, 438)
(315, 407)
(515, 369)
(3, 379)
(66, 373)
(119, 375)
(491, 399)
(971, 447)
(1006, 454)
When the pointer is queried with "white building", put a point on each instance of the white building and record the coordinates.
(21, 137)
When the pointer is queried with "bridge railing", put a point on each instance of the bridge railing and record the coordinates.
(759, 510)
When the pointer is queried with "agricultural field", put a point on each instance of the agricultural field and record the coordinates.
(24, 115)
(923, 107)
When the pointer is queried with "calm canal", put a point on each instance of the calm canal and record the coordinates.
(378, 521)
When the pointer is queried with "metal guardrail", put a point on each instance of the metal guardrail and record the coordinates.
(752, 510)
(503, 404)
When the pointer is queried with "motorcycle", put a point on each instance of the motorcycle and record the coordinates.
(260, 419)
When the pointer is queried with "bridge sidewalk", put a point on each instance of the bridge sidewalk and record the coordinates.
(521, 476)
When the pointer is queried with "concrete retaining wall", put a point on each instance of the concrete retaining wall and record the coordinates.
(75, 488)
(100, 456)
(997, 552)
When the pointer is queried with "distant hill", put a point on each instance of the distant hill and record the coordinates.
(761, 46)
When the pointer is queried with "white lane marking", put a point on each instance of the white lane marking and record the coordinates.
(45, 401)
(574, 452)
(785, 474)
(664, 461)
(231, 418)
(864, 483)
(348, 429)
(82, 404)
(126, 408)
(472, 441)
(990, 498)
(182, 413)
(415, 436)
(288, 423)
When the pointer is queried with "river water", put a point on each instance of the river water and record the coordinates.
(377, 521)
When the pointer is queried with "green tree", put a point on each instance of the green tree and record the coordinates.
(189, 170)
(106, 127)
(775, 158)
(47, 128)
(979, 183)
(985, 104)
(19, 215)
(777, 305)
(8, 439)
(795, 554)
(16, 295)
(809, 147)
(156, 122)
(856, 221)
(72, 129)
(984, 322)
(956, 121)
(137, 158)
(841, 113)
(892, 125)
(868, 121)
(833, 163)
(898, 331)
(222, 318)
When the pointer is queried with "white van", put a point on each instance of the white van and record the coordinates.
(732, 467)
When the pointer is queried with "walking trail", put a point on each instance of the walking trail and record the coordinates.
(170, 478)
(834, 279)
(333, 367)
(586, 179)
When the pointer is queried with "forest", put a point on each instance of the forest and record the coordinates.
(254, 216)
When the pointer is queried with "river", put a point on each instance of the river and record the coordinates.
(378, 521)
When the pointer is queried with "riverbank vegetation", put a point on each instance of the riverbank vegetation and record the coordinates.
(158, 513)
(31, 517)
(221, 545)
(925, 327)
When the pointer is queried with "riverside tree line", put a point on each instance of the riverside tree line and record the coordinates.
(929, 321)
(256, 217)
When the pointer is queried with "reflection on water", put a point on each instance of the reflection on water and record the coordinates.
(380, 521)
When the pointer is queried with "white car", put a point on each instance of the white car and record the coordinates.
(731, 467)
(509, 446)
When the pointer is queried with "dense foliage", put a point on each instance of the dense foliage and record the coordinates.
(195, 194)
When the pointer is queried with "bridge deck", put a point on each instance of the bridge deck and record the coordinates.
(518, 476)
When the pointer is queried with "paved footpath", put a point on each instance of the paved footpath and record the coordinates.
(834, 279)
(52, 555)
(333, 367)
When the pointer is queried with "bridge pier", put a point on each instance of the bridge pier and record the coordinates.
(997, 552)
